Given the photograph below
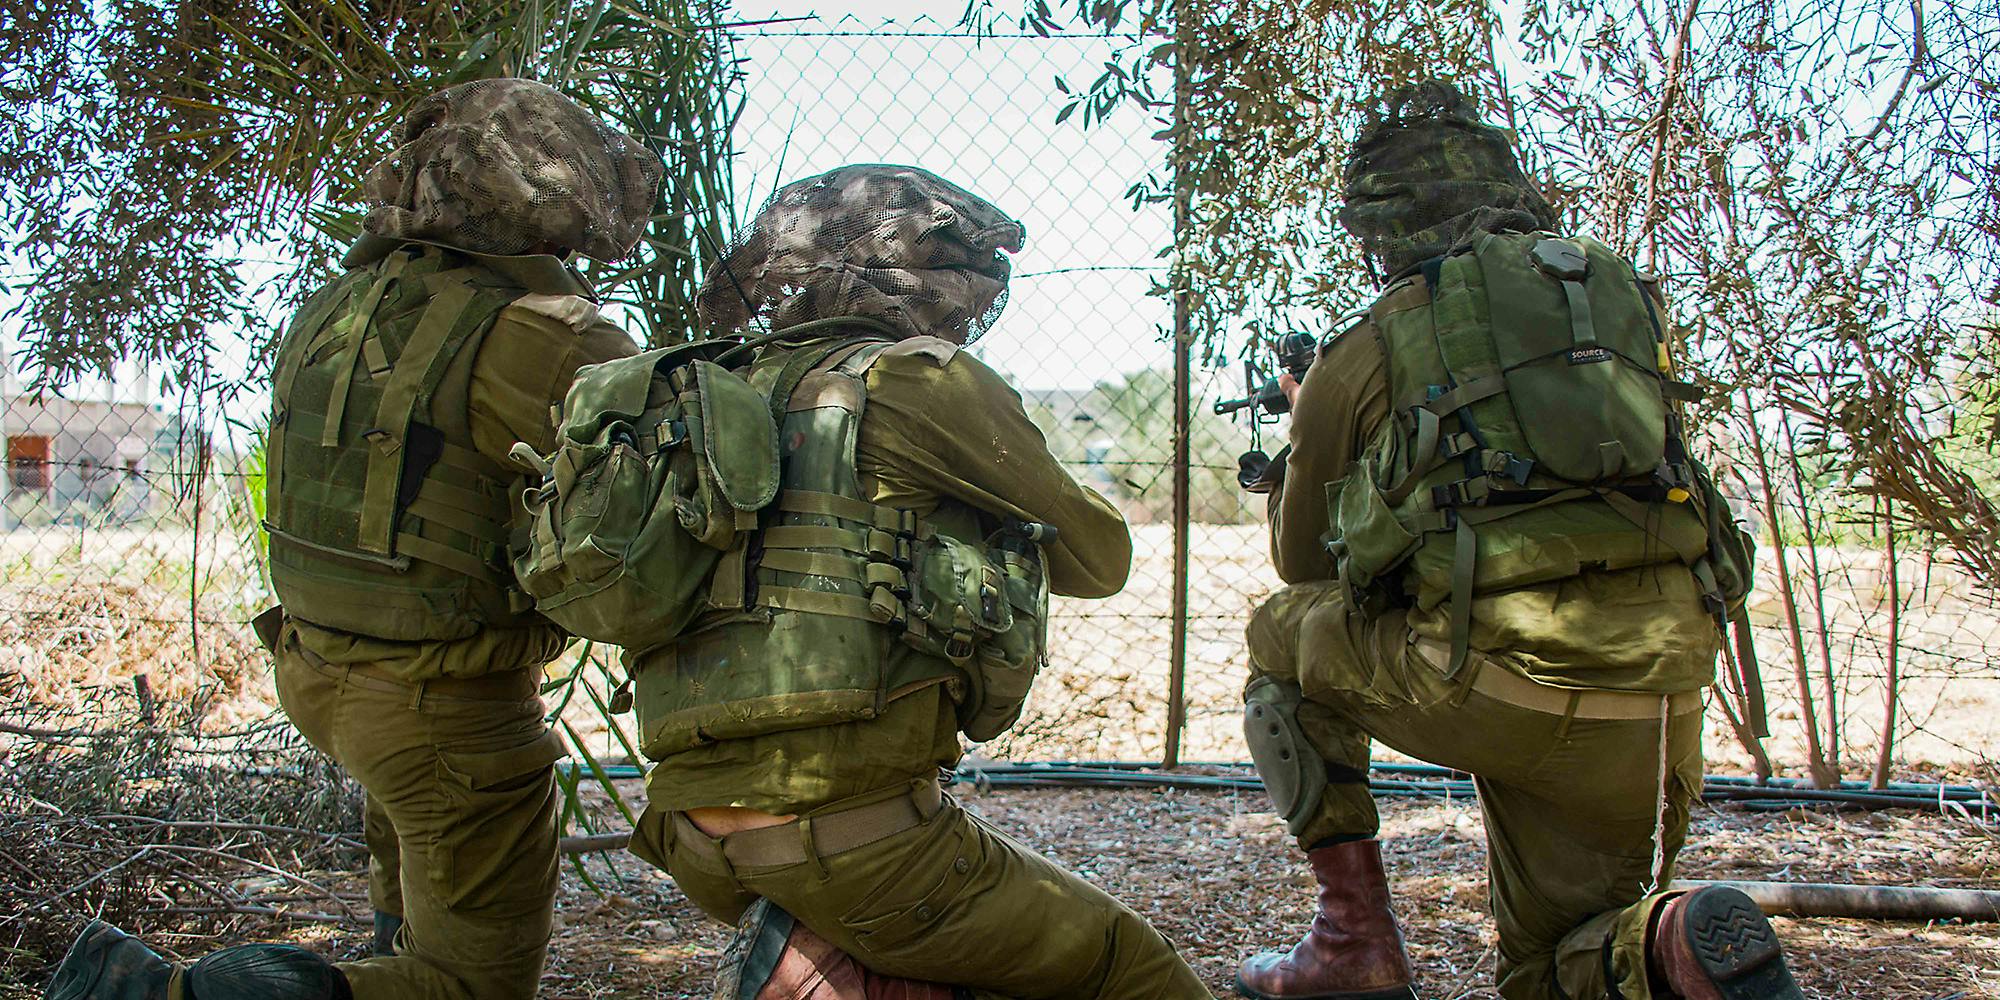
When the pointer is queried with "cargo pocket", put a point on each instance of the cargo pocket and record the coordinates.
(496, 836)
(910, 906)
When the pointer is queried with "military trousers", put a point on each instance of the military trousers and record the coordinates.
(949, 900)
(385, 859)
(465, 784)
(1583, 816)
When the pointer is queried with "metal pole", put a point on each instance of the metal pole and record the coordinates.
(1183, 391)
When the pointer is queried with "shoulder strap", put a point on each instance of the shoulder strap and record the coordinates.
(450, 300)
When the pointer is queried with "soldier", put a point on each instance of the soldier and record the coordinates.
(1521, 578)
(891, 597)
(405, 651)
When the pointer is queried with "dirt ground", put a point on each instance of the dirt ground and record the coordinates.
(1218, 876)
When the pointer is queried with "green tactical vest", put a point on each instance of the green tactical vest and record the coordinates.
(384, 521)
(1532, 437)
(835, 606)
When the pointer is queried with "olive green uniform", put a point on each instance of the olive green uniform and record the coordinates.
(943, 899)
(1585, 795)
(448, 737)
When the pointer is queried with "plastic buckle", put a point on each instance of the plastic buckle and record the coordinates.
(670, 433)
(1519, 469)
(1456, 443)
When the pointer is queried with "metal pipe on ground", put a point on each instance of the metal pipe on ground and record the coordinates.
(1864, 902)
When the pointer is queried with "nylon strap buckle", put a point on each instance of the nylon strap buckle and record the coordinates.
(383, 441)
(1456, 443)
(1503, 463)
(1464, 493)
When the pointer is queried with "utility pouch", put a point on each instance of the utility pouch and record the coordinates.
(958, 599)
(662, 459)
(1008, 662)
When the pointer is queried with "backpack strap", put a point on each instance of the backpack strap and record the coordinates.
(358, 327)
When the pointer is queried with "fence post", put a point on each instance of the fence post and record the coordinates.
(1183, 393)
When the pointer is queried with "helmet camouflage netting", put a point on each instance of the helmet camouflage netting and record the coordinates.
(1425, 172)
(894, 243)
(506, 166)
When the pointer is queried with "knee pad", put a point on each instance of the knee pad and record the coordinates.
(1294, 773)
(265, 972)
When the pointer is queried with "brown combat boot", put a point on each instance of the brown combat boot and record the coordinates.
(1714, 944)
(774, 957)
(1354, 950)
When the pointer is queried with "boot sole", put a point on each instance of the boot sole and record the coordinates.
(1398, 993)
(1737, 948)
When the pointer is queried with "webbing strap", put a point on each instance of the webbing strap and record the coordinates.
(846, 508)
(482, 526)
(815, 564)
(1465, 395)
(1582, 330)
(1464, 563)
(392, 416)
(813, 536)
(1748, 674)
(440, 554)
(1423, 458)
(350, 350)
(442, 492)
(818, 603)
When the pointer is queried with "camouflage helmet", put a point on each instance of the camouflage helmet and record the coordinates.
(899, 244)
(509, 166)
(1425, 172)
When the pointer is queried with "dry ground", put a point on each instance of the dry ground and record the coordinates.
(1211, 869)
(1218, 876)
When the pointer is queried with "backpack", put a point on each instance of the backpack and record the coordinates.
(661, 460)
(1534, 435)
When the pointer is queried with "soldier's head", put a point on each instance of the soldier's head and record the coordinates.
(513, 167)
(1424, 172)
(897, 244)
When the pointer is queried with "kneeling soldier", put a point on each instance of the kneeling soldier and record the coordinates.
(405, 650)
(1503, 561)
(891, 596)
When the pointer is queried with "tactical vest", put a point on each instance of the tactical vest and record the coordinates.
(383, 519)
(834, 606)
(1533, 436)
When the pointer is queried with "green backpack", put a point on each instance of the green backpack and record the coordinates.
(1533, 436)
(661, 460)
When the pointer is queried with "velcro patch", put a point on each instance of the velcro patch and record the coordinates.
(573, 311)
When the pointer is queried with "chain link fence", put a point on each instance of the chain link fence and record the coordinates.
(130, 526)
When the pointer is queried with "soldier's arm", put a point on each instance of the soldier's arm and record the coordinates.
(1344, 399)
(526, 364)
(959, 430)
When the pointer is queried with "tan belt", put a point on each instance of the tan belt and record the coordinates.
(824, 834)
(1503, 685)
